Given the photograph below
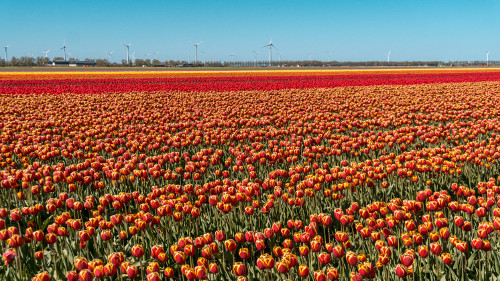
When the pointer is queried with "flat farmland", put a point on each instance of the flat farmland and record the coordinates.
(250, 175)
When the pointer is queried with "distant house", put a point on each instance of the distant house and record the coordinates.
(73, 63)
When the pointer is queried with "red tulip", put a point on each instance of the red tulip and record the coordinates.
(220, 236)
(213, 268)
(436, 248)
(72, 276)
(244, 253)
(401, 270)
(86, 275)
(230, 245)
(324, 258)
(282, 267)
(406, 260)
(137, 251)
(423, 251)
(446, 258)
(338, 251)
(304, 250)
(332, 273)
(109, 269)
(200, 272)
(303, 270)
(179, 257)
(239, 269)
(319, 275)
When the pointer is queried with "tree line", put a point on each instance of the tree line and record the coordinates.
(43, 61)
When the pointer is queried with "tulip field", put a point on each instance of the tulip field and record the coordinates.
(250, 175)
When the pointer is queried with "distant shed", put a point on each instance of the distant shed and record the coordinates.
(73, 63)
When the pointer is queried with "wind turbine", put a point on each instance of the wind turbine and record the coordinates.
(389, 56)
(195, 50)
(5, 55)
(110, 56)
(254, 58)
(270, 45)
(64, 48)
(128, 47)
(309, 54)
(232, 55)
(133, 56)
(487, 58)
(46, 53)
(329, 55)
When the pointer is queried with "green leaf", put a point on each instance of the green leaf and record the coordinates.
(46, 222)
(497, 267)
(471, 260)
(454, 272)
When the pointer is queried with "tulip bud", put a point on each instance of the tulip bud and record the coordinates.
(446, 258)
(401, 270)
(332, 273)
(168, 272)
(319, 275)
(137, 251)
(239, 269)
(132, 271)
(86, 275)
(303, 270)
(324, 258)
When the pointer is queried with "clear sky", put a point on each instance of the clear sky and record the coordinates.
(342, 30)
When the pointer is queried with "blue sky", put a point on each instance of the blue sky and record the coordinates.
(348, 30)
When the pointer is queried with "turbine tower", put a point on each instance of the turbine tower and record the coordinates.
(487, 58)
(128, 48)
(64, 48)
(270, 45)
(5, 54)
(254, 58)
(389, 56)
(232, 55)
(46, 53)
(195, 50)
(110, 56)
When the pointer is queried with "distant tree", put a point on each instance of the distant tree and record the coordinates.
(41, 61)
(58, 58)
(141, 62)
(102, 62)
(14, 61)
